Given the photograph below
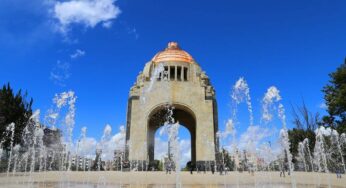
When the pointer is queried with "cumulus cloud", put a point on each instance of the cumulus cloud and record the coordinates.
(78, 53)
(88, 13)
(185, 151)
(108, 143)
(87, 147)
(161, 149)
(252, 137)
(115, 142)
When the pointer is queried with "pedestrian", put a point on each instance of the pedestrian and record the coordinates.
(212, 169)
(167, 166)
(166, 169)
(170, 167)
(282, 173)
(282, 170)
(221, 169)
(338, 173)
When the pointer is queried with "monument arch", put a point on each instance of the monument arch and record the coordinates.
(181, 114)
(172, 77)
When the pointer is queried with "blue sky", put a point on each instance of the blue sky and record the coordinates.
(290, 44)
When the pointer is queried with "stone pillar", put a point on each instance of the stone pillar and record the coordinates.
(169, 72)
(182, 74)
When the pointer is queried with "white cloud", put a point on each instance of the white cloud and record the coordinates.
(161, 149)
(77, 53)
(60, 73)
(87, 146)
(252, 137)
(323, 106)
(116, 142)
(107, 24)
(185, 151)
(88, 13)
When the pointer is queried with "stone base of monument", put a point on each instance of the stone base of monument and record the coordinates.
(139, 165)
(206, 166)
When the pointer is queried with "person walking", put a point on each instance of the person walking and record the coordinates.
(282, 170)
(221, 169)
(212, 169)
(166, 168)
(170, 167)
(282, 173)
(338, 172)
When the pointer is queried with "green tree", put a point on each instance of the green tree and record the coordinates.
(13, 108)
(305, 124)
(303, 119)
(298, 135)
(335, 97)
(227, 159)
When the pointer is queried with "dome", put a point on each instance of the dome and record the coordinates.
(173, 53)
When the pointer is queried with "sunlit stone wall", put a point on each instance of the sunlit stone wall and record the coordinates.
(183, 84)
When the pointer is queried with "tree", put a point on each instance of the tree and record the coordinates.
(305, 124)
(298, 135)
(303, 119)
(335, 97)
(98, 166)
(227, 160)
(13, 108)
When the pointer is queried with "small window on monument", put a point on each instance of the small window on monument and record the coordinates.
(165, 73)
(179, 73)
(185, 74)
(159, 76)
(172, 72)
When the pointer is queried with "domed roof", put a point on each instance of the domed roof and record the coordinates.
(173, 53)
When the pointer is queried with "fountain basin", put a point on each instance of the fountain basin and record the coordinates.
(161, 179)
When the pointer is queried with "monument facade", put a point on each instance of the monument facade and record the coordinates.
(172, 79)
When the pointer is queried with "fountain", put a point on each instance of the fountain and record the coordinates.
(45, 159)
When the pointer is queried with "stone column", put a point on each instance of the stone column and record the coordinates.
(182, 73)
(176, 73)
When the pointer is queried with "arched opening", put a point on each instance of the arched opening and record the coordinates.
(161, 145)
(181, 114)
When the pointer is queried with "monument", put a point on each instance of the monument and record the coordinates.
(172, 79)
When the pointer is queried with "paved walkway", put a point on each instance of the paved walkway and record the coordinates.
(161, 179)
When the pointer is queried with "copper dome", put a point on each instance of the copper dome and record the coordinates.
(173, 53)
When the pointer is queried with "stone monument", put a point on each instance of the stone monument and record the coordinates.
(172, 79)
